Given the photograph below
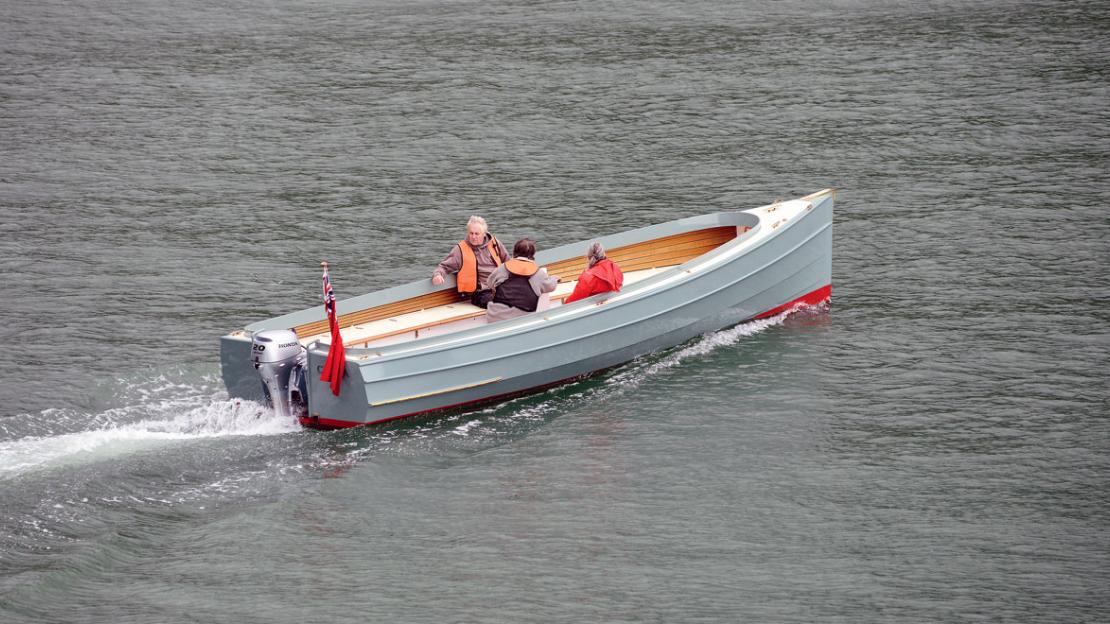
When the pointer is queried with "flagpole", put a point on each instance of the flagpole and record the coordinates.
(335, 366)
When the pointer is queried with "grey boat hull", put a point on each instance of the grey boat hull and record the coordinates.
(783, 259)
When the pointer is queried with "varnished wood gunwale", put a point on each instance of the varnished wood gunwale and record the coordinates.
(666, 251)
(395, 308)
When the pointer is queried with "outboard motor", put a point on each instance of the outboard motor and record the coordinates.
(280, 360)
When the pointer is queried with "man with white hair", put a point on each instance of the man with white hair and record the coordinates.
(473, 259)
(601, 275)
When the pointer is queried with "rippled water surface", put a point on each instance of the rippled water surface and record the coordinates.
(933, 447)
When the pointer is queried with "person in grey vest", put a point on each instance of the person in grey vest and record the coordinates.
(518, 284)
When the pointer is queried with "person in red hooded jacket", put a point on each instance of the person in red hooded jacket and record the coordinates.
(601, 275)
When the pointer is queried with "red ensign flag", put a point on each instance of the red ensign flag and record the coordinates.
(336, 365)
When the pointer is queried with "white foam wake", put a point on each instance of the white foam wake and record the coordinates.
(705, 345)
(214, 419)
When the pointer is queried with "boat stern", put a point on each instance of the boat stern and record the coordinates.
(327, 410)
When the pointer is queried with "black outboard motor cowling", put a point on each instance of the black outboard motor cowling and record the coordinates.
(280, 360)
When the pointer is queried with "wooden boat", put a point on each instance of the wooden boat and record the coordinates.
(416, 348)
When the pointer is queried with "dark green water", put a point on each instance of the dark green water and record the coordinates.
(935, 447)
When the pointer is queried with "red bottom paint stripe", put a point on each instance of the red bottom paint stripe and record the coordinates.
(328, 423)
(819, 296)
(816, 297)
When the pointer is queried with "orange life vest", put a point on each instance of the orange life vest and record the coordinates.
(467, 279)
(523, 268)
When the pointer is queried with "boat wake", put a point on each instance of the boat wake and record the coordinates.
(705, 345)
(163, 414)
